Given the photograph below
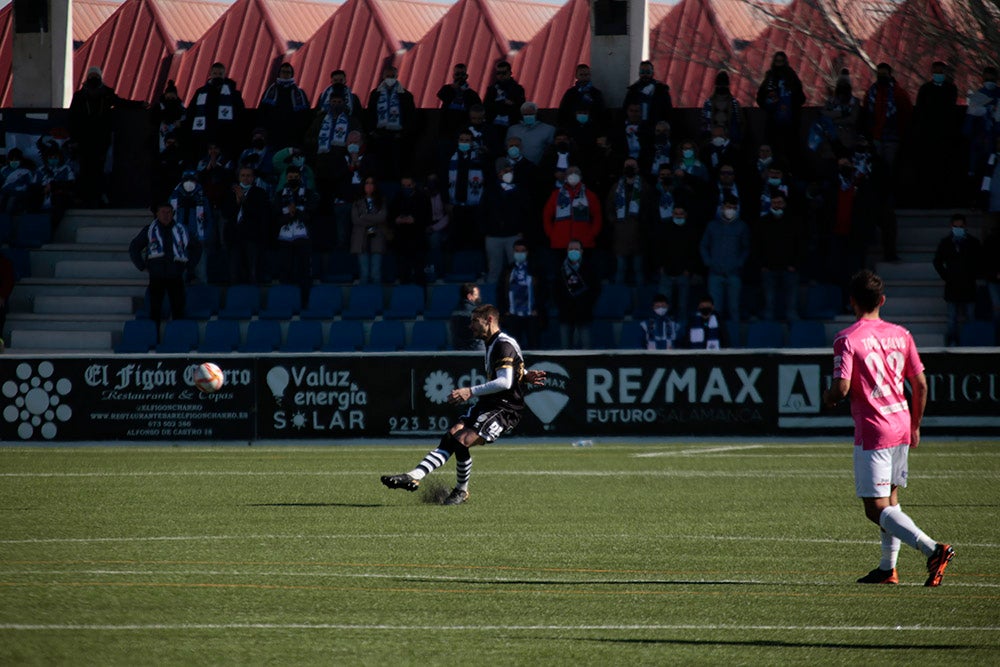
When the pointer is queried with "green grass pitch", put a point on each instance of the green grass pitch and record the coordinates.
(723, 551)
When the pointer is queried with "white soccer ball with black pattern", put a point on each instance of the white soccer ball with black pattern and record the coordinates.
(209, 378)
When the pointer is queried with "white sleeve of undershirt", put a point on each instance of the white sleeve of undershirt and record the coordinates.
(503, 381)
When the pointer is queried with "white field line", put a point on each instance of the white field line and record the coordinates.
(700, 450)
(491, 628)
(752, 474)
(601, 580)
(423, 536)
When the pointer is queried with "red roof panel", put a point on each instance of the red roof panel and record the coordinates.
(89, 15)
(132, 48)
(521, 20)
(552, 55)
(246, 40)
(299, 20)
(6, 55)
(188, 20)
(468, 33)
(356, 39)
(410, 20)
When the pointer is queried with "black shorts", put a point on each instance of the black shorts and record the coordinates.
(490, 421)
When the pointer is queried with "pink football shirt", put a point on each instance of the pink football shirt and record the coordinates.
(877, 356)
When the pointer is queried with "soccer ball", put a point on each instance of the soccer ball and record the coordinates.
(208, 377)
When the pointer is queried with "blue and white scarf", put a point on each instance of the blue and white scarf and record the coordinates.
(324, 99)
(225, 111)
(666, 204)
(661, 156)
(333, 132)
(299, 100)
(573, 279)
(155, 248)
(569, 207)
(890, 98)
(293, 230)
(627, 203)
(387, 108)
(632, 138)
(474, 181)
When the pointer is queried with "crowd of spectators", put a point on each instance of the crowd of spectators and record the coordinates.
(557, 209)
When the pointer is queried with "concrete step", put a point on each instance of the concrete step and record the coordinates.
(23, 297)
(85, 270)
(117, 236)
(906, 271)
(84, 305)
(897, 309)
(45, 339)
(44, 260)
(908, 288)
(80, 218)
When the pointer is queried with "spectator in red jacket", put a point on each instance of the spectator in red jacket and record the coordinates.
(572, 212)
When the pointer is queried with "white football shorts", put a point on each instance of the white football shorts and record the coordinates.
(876, 471)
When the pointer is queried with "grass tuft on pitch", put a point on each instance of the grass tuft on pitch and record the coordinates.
(681, 552)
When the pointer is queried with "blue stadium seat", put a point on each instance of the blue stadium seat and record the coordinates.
(441, 301)
(138, 336)
(283, 301)
(823, 302)
(242, 302)
(765, 334)
(364, 304)
(466, 266)
(262, 336)
(644, 302)
(631, 336)
(179, 336)
(602, 335)
(806, 333)
(732, 334)
(32, 230)
(325, 303)
(21, 259)
(202, 301)
(613, 302)
(977, 334)
(345, 336)
(143, 312)
(428, 336)
(303, 336)
(405, 302)
(386, 336)
(221, 336)
(488, 293)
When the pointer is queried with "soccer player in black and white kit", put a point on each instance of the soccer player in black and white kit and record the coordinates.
(497, 411)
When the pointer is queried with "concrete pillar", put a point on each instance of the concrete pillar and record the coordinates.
(619, 41)
(42, 66)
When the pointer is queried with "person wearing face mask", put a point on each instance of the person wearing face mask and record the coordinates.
(504, 97)
(886, 111)
(778, 247)
(457, 98)
(675, 231)
(506, 211)
(16, 180)
(169, 114)
(781, 97)
(410, 217)
(659, 331)
(626, 215)
(982, 121)
(338, 79)
(284, 109)
(371, 232)
(534, 134)
(721, 109)
(688, 167)
(521, 297)
(839, 118)
(575, 290)
(392, 113)
(349, 172)
(245, 221)
(572, 212)
(704, 333)
(294, 206)
(466, 188)
(91, 118)
(652, 96)
(215, 113)
(293, 157)
(776, 182)
(935, 124)
(633, 138)
(958, 260)
(193, 211)
(260, 156)
(718, 151)
(582, 99)
(724, 248)
(461, 337)
(58, 183)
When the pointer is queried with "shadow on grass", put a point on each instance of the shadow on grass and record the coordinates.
(315, 505)
(782, 644)
(599, 582)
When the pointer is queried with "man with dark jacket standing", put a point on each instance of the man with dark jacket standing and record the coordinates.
(957, 261)
(91, 122)
(245, 212)
(164, 249)
(777, 242)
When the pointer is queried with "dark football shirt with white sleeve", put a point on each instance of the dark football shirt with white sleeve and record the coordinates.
(502, 352)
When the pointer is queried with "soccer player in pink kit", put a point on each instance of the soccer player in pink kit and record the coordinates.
(871, 359)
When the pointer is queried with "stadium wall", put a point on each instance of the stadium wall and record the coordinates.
(65, 399)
